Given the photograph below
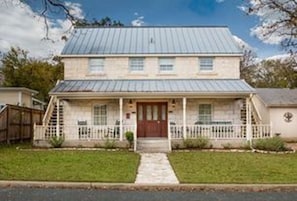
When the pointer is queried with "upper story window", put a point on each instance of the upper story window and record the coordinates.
(206, 64)
(96, 65)
(166, 64)
(136, 64)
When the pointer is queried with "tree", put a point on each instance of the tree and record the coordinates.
(278, 21)
(21, 71)
(104, 22)
(275, 74)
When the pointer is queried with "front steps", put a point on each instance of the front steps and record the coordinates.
(153, 145)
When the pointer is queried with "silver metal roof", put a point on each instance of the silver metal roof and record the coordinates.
(278, 97)
(151, 40)
(154, 86)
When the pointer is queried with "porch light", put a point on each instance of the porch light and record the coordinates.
(130, 103)
(173, 103)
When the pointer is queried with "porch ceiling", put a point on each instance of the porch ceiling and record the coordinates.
(153, 87)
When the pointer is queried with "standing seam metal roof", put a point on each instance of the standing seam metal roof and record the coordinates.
(151, 40)
(278, 97)
(193, 86)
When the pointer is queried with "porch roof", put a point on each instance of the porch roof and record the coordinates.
(126, 87)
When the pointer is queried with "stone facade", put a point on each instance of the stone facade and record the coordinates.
(184, 67)
(82, 110)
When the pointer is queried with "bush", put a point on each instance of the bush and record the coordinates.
(130, 137)
(270, 144)
(56, 141)
(109, 144)
(196, 143)
(227, 146)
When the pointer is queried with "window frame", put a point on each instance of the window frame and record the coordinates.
(100, 119)
(202, 117)
(100, 66)
(206, 66)
(172, 63)
(136, 68)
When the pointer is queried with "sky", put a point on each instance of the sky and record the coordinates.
(20, 26)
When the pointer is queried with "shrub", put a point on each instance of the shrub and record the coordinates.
(270, 144)
(196, 143)
(130, 137)
(227, 146)
(109, 144)
(56, 141)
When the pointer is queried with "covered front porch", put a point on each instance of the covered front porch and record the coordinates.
(165, 113)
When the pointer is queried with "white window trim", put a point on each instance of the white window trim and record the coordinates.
(93, 114)
(211, 112)
(204, 70)
(167, 71)
(98, 71)
(137, 71)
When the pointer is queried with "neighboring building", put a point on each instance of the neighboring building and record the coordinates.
(278, 107)
(164, 83)
(20, 96)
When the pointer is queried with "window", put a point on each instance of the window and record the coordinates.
(206, 64)
(136, 64)
(166, 64)
(205, 113)
(100, 115)
(96, 65)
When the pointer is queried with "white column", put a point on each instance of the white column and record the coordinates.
(184, 117)
(121, 119)
(20, 97)
(58, 118)
(248, 120)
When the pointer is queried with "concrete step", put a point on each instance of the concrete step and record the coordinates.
(153, 145)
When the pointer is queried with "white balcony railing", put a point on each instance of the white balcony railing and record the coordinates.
(219, 131)
(82, 132)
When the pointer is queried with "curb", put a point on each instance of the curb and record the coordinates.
(153, 187)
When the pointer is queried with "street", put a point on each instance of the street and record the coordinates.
(37, 194)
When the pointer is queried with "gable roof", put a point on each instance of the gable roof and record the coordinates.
(151, 40)
(159, 87)
(275, 97)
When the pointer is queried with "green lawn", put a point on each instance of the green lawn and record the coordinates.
(215, 167)
(48, 165)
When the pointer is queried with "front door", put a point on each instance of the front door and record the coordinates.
(151, 119)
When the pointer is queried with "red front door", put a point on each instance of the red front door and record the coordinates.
(151, 119)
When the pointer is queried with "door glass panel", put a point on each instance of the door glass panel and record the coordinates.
(140, 112)
(163, 112)
(148, 112)
(155, 112)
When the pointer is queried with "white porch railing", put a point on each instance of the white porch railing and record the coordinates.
(219, 131)
(83, 132)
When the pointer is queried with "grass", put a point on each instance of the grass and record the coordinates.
(48, 165)
(214, 167)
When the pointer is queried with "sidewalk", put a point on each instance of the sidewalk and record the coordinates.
(155, 168)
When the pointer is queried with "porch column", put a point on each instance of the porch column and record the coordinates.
(58, 118)
(121, 119)
(184, 117)
(248, 120)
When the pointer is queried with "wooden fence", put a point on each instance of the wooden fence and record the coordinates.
(16, 123)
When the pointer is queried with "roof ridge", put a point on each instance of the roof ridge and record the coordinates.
(155, 26)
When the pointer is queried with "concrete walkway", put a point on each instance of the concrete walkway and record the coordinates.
(155, 168)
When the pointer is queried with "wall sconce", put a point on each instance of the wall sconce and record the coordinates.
(173, 103)
(130, 103)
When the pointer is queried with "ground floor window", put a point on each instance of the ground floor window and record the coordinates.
(204, 113)
(100, 115)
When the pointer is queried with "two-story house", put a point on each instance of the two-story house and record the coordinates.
(161, 83)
